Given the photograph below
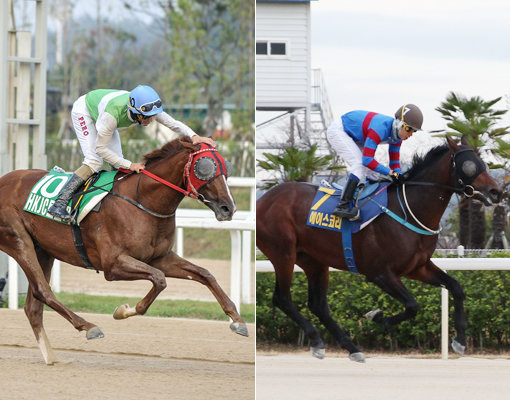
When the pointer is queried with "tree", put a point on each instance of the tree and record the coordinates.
(293, 164)
(475, 119)
(211, 57)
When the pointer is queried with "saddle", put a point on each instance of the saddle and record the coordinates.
(327, 198)
(46, 190)
(372, 197)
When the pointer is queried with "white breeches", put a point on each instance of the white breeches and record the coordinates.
(85, 128)
(350, 151)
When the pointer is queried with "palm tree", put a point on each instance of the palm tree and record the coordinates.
(293, 164)
(475, 119)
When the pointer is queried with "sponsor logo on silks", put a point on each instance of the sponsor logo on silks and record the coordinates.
(44, 194)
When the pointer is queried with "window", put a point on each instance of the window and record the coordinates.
(271, 48)
(262, 48)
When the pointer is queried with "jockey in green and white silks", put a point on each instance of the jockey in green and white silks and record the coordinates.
(97, 118)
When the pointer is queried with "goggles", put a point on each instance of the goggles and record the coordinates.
(408, 128)
(147, 107)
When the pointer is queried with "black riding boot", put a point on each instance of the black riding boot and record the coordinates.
(59, 208)
(343, 209)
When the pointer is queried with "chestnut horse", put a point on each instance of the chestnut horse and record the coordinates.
(123, 241)
(384, 251)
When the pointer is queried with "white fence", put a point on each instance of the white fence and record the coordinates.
(447, 264)
(240, 228)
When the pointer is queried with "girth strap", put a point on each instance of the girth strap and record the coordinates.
(347, 245)
(80, 247)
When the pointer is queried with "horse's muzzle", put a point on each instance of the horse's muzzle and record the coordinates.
(495, 194)
(224, 211)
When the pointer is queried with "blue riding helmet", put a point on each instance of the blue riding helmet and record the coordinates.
(145, 100)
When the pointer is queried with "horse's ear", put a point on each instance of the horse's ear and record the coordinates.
(464, 140)
(454, 146)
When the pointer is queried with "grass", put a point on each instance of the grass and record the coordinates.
(160, 308)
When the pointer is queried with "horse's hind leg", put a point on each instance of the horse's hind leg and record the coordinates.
(174, 266)
(433, 275)
(392, 285)
(18, 244)
(318, 282)
(34, 311)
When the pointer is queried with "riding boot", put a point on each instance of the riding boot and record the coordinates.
(343, 209)
(59, 207)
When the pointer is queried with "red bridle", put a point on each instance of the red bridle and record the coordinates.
(189, 176)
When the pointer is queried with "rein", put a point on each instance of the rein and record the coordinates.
(466, 189)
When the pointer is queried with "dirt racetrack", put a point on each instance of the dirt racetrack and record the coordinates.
(139, 358)
(291, 376)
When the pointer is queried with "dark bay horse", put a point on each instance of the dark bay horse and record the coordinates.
(123, 241)
(384, 251)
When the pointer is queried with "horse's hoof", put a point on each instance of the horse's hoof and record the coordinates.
(371, 315)
(318, 353)
(123, 312)
(239, 328)
(358, 357)
(95, 333)
(458, 348)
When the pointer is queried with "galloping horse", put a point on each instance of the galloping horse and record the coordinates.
(124, 241)
(384, 251)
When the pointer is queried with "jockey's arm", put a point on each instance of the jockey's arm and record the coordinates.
(394, 153)
(106, 125)
(182, 129)
(368, 155)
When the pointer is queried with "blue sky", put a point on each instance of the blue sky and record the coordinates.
(377, 55)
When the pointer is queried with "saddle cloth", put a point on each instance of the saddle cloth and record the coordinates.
(327, 198)
(46, 190)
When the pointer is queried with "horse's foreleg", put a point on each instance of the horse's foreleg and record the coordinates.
(318, 282)
(126, 268)
(396, 289)
(174, 266)
(433, 275)
(34, 312)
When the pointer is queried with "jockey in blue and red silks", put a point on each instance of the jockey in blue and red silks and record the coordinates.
(355, 137)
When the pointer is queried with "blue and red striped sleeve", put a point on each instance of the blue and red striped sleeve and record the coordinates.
(394, 153)
(371, 142)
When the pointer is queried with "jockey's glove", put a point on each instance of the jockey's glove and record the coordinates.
(397, 178)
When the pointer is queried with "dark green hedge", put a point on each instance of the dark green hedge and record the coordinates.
(350, 297)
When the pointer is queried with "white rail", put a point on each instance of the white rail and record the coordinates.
(447, 264)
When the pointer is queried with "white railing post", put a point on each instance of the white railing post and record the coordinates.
(235, 269)
(180, 242)
(460, 251)
(444, 323)
(246, 268)
(55, 276)
(13, 284)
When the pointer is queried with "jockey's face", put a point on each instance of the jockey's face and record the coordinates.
(406, 132)
(147, 120)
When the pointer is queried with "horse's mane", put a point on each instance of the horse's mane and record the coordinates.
(422, 162)
(169, 150)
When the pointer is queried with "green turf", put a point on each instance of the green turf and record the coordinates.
(160, 308)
